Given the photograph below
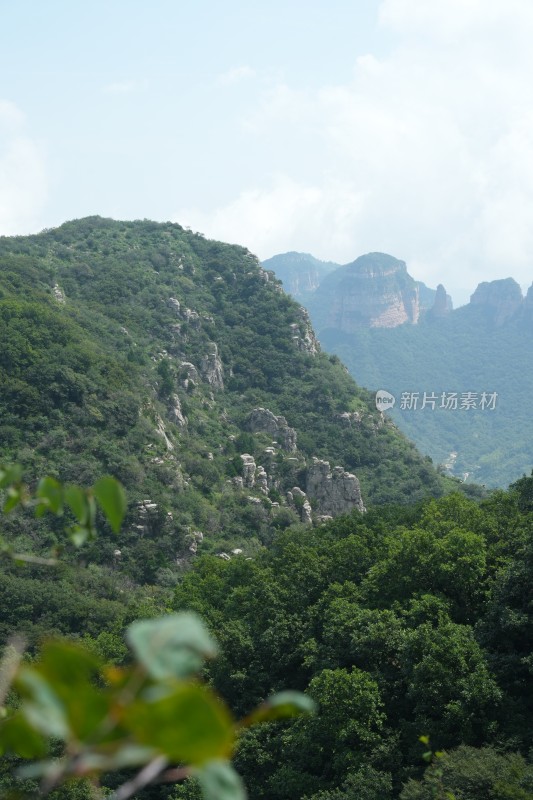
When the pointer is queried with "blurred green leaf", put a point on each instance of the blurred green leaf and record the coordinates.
(282, 705)
(43, 709)
(17, 735)
(76, 498)
(79, 534)
(73, 673)
(112, 500)
(10, 475)
(50, 492)
(173, 646)
(130, 755)
(190, 725)
(219, 781)
(14, 497)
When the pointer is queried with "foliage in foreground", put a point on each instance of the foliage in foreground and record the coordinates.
(150, 715)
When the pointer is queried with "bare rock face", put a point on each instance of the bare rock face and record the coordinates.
(374, 291)
(501, 299)
(212, 369)
(189, 377)
(334, 490)
(175, 413)
(297, 500)
(261, 420)
(261, 480)
(58, 293)
(303, 335)
(160, 428)
(248, 470)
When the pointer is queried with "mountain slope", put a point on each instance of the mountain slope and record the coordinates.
(178, 365)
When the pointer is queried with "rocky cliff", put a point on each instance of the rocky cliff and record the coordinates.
(374, 291)
(500, 299)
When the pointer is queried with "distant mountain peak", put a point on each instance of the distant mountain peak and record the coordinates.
(502, 298)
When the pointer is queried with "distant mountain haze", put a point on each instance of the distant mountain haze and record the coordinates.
(395, 333)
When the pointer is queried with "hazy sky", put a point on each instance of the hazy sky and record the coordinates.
(335, 128)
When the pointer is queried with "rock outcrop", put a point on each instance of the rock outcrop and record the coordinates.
(303, 335)
(501, 299)
(248, 471)
(189, 377)
(261, 420)
(175, 413)
(375, 291)
(441, 305)
(333, 490)
(58, 293)
(212, 369)
(298, 501)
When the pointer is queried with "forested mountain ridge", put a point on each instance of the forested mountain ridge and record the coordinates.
(179, 366)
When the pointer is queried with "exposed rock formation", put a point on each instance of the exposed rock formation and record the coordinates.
(160, 428)
(58, 293)
(212, 369)
(428, 296)
(335, 491)
(189, 375)
(375, 291)
(303, 335)
(261, 480)
(500, 298)
(441, 305)
(175, 413)
(298, 501)
(248, 470)
(261, 420)
(350, 418)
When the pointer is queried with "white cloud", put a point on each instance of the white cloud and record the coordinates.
(125, 87)
(294, 215)
(235, 75)
(22, 174)
(426, 153)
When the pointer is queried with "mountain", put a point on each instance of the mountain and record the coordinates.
(178, 365)
(483, 347)
(374, 291)
(300, 273)
(395, 333)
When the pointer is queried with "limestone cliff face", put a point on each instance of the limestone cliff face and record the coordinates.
(501, 299)
(375, 291)
(333, 490)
